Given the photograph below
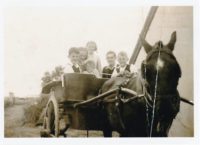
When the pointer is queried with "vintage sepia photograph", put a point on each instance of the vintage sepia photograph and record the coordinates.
(90, 71)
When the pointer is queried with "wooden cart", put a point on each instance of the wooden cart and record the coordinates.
(75, 88)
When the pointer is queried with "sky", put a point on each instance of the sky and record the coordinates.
(38, 38)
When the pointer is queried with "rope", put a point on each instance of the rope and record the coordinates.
(147, 107)
(155, 95)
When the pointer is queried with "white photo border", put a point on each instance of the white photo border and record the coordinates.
(100, 141)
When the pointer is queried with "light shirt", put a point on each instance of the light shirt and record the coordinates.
(69, 68)
(96, 60)
(133, 69)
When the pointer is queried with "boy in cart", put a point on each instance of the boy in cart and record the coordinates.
(123, 68)
(71, 67)
(73, 64)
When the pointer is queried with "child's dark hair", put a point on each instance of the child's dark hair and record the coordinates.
(73, 50)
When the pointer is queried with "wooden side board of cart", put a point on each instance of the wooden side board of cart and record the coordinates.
(77, 88)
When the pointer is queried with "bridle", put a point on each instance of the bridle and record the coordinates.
(149, 99)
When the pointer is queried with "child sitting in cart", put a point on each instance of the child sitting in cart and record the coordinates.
(83, 56)
(90, 68)
(73, 65)
(92, 55)
(123, 68)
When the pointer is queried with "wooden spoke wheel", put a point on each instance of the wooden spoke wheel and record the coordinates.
(51, 119)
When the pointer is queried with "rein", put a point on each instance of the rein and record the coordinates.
(147, 94)
(155, 95)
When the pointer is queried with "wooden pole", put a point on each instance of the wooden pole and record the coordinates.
(143, 34)
(101, 96)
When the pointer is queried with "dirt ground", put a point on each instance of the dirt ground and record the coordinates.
(14, 123)
(16, 127)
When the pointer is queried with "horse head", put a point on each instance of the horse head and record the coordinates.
(165, 64)
(161, 72)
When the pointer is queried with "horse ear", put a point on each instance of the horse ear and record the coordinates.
(172, 41)
(146, 45)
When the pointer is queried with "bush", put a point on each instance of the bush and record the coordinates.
(7, 103)
(33, 111)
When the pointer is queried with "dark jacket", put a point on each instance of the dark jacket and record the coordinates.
(107, 72)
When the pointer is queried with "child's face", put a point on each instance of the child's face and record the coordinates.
(111, 59)
(74, 58)
(83, 55)
(90, 67)
(91, 47)
(122, 60)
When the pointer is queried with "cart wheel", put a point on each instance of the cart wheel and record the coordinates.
(51, 121)
(45, 132)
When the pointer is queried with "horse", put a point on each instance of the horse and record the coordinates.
(122, 116)
(152, 113)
